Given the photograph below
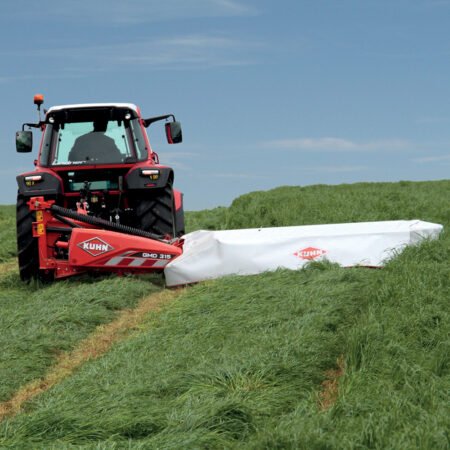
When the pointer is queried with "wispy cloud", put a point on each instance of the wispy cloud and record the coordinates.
(39, 76)
(15, 170)
(336, 169)
(193, 51)
(334, 144)
(439, 3)
(119, 12)
(238, 175)
(232, 175)
(9, 78)
(315, 169)
(325, 143)
(234, 7)
(329, 169)
(173, 159)
(427, 159)
(435, 119)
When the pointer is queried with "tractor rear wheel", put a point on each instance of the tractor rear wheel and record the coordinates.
(156, 214)
(27, 246)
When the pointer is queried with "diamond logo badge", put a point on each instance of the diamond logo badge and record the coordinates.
(95, 246)
(310, 253)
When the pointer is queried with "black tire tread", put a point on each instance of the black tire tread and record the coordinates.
(27, 246)
(179, 216)
(156, 214)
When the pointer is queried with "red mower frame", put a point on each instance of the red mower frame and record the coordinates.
(92, 248)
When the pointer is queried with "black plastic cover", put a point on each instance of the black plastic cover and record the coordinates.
(90, 114)
(49, 185)
(135, 180)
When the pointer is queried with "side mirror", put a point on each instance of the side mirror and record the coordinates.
(24, 141)
(173, 132)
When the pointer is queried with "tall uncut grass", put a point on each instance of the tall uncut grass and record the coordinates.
(359, 202)
(8, 246)
(240, 362)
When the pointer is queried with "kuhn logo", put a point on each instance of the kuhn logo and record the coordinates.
(95, 246)
(309, 253)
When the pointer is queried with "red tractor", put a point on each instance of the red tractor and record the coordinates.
(96, 165)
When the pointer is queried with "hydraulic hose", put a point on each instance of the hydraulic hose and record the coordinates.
(105, 224)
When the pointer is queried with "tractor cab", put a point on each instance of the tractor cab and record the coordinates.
(97, 134)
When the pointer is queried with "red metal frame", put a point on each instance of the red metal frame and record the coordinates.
(91, 248)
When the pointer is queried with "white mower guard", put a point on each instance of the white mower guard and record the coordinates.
(215, 254)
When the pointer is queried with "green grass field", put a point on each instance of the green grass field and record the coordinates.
(240, 362)
(360, 202)
(7, 233)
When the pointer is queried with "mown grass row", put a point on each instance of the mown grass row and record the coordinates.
(240, 361)
(37, 323)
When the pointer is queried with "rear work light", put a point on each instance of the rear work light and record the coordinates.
(153, 174)
(30, 180)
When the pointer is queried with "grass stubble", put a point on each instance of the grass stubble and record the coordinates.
(8, 267)
(330, 386)
(324, 357)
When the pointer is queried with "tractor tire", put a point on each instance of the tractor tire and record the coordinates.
(156, 214)
(179, 218)
(27, 246)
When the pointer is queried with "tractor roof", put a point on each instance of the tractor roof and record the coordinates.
(94, 105)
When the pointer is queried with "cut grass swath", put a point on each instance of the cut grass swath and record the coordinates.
(90, 348)
(38, 323)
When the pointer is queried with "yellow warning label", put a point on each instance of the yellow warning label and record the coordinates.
(40, 228)
(39, 216)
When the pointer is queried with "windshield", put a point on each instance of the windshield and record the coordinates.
(98, 142)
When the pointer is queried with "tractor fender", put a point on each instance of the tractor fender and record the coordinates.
(49, 184)
(179, 213)
(136, 180)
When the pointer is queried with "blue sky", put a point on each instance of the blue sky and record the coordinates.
(268, 93)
